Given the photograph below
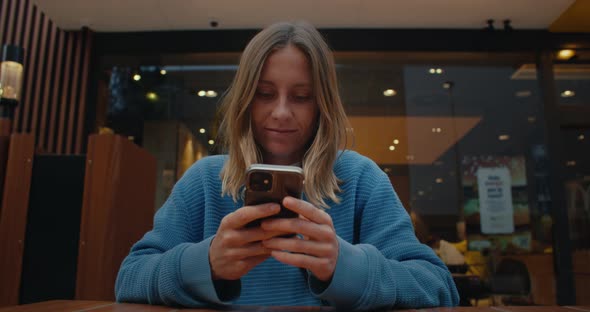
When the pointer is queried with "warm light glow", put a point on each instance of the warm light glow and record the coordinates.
(446, 85)
(389, 92)
(137, 77)
(152, 96)
(211, 142)
(570, 163)
(439, 180)
(581, 137)
(202, 130)
(439, 71)
(432, 71)
(396, 141)
(565, 54)
(162, 72)
(436, 130)
(202, 93)
(211, 93)
(11, 79)
(568, 93)
(503, 137)
(391, 148)
(420, 193)
(532, 119)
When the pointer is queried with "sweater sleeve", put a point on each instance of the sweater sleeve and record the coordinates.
(170, 264)
(389, 267)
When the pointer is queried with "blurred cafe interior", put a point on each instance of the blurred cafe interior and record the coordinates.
(479, 112)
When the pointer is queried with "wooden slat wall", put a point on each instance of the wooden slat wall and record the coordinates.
(56, 69)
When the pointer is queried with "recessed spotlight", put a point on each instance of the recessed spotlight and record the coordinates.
(447, 85)
(432, 71)
(439, 71)
(532, 119)
(581, 137)
(391, 148)
(565, 54)
(389, 92)
(211, 142)
(202, 93)
(570, 163)
(420, 193)
(137, 77)
(152, 96)
(523, 93)
(439, 180)
(211, 93)
(202, 130)
(503, 137)
(396, 141)
(162, 72)
(438, 130)
(568, 93)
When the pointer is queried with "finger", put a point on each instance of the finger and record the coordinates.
(249, 235)
(322, 268)
(311, 248)
(247, 214)
(307, 210)
(252, 250)
(306, 228)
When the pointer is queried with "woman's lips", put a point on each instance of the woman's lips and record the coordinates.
(280, 131)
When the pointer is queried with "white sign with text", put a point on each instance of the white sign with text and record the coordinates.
(495, 200)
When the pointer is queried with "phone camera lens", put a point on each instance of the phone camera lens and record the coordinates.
(261, 181)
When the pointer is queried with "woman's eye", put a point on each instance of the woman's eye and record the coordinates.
(302, 98)
(264, 95)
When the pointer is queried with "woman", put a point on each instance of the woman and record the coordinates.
(356, 247)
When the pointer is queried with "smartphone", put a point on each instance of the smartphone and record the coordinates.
(270, 184)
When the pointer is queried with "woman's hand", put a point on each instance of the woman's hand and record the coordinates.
(235, 250)
(317, 251)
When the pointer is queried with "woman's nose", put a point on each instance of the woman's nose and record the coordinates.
(281, 108)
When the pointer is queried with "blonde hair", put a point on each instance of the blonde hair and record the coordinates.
(235, 130)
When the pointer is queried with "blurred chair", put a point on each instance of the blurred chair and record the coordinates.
(511, 282)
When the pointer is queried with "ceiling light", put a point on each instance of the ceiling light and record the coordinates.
(570, 163)
(389, 92)
(567, 93)
(439, 71)
(532, 119)
(396, 141)
(421, 193)
(152, 96)
(503, 137)
(202, 93)
(581, 137)
(432, 71)
(391, 148)
(137, 77)
(523, 93)
(211, 142)
(439, 180)
(565, 54)
(202, 130)
(438, 130)
(211, 93)
(162, 72)
(446, 85)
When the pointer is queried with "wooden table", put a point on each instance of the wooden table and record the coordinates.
(103, 306)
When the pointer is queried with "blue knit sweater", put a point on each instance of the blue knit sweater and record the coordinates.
(380, 261)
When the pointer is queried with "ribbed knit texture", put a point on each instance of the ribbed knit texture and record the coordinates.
(380, 262)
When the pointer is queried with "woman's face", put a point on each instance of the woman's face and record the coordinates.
(284, 110)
